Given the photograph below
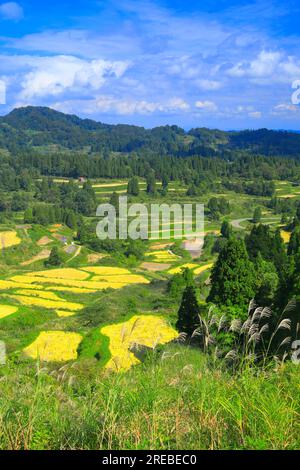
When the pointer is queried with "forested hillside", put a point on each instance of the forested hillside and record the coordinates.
(45, 142)
(31, 127)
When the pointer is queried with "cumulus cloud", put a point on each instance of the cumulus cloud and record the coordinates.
(51, 76)
(110, 104)
(267, 65)
(264, 65)
(11, 11)
(209, 106)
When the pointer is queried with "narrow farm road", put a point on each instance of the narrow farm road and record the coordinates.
(237, 222)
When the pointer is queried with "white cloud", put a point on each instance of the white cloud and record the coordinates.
(284, 109)
(2, 92)
(51, 76)
(132, 56)
(264, 65)
(11, 11)
(87, 43)
(208, 85)
(209, 106)
(267, 65)
(255, 114)
(130, 106)
(110, 104)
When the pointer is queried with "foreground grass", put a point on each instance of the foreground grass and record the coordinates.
(177, 400)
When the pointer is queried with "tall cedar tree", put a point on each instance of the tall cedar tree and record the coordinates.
(114, 201)
(189, 311)
(257, 215)
(133, 186)
(260, 240)
(151, 185)
(294, 243)
(54, 258)
(233, 276)
(226, 229)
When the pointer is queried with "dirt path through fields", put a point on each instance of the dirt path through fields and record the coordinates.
(237, 222)
(78, 251)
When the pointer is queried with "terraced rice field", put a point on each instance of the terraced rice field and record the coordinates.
(163, 256)
(203, 268)
(39, 288)
(143, 330)
(286, 189)
(194, 267)
(122, 279)
(48, 304)
(74, 290)
(63, 273)
(54, 346)
(178, 269)
(6, 310)
(39, 293)
(106, 270)
(9, 238)
(107, 282)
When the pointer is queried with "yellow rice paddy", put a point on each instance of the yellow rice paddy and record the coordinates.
(194, 267)
(54, 346)
(39, 293)
(49, 304)
(8, 239)
(122, 279)
(74, 290)
(179, 268)
(103, 282)
(64, 313)
(8, 284)
(6, 310)
(162, 256)
(285, 236)
(63, 273)
(106, 270)
(35, 289)
(112, 282)
(109, 185)
(201, 269)
(145, 330)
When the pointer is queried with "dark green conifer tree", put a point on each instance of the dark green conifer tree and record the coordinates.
(233, 276)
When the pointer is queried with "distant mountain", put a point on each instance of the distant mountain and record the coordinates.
(44, 128)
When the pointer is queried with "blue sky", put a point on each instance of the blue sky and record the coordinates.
(224, 64)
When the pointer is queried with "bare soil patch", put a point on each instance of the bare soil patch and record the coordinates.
(24, 226)
(44, 254)
(60, 238)
(155, 267)
(44, 241)
(95, 257)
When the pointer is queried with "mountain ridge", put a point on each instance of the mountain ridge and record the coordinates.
(34, 127)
